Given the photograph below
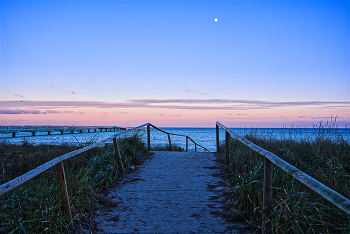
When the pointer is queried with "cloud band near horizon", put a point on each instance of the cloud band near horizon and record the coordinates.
(6, 107)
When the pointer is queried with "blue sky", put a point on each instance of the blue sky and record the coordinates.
(171, 56)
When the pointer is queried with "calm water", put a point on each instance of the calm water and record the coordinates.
(203, 136)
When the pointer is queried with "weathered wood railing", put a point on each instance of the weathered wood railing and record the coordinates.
(168, 133)
(270, 159)
(58, 162)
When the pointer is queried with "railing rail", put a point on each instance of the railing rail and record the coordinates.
(187, 138)
(58, 162)
(27, 176)
(269, 158)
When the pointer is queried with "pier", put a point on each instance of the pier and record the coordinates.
(61, 129)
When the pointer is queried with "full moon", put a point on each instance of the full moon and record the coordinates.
(216, 19)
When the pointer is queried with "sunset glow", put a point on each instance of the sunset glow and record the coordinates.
(266, 64)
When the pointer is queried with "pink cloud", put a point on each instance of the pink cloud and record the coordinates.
(68, 112)
(52, 112)
(183, 104)
(82, 113)
(72, 92)
(20, 111)
(104, 113)
(19, 95)
(201, 93)
(114, 87)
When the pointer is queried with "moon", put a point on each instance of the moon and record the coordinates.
(216, 19)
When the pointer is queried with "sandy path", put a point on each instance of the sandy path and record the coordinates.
(173, 192)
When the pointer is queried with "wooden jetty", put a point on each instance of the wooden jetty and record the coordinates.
(62, 129)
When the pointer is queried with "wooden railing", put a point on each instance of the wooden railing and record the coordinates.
(168, 133)
(270, 159)
(58, 162)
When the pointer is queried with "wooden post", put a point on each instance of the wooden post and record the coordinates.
(118, 155)
(268, 167)
(13, 134)
(171, 148)
(195, 147)
(61, 132)
(186, 143)
(217, 139)
(48, 133)
(149, 137)
(227, 149)
(63, 189)
(33, 133)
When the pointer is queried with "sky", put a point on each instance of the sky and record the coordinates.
(175, 63)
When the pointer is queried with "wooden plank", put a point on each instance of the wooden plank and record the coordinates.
(267, 194)
(329, 194)
(27, 176)
(149, 137)
(227, 153)
(171, 148)
(119, 159)
(63, 189)
(158, 129)
(217, 138)
(186, 143)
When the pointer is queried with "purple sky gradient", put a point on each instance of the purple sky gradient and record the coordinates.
(263, 63)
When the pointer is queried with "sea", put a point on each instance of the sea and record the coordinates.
(205, 137)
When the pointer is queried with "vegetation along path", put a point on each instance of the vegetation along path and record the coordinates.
(173, 192)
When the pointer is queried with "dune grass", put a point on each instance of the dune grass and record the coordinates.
(34, 207)
(296, 208)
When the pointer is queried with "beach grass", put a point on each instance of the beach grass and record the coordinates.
(34, 207)
(296, 208)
